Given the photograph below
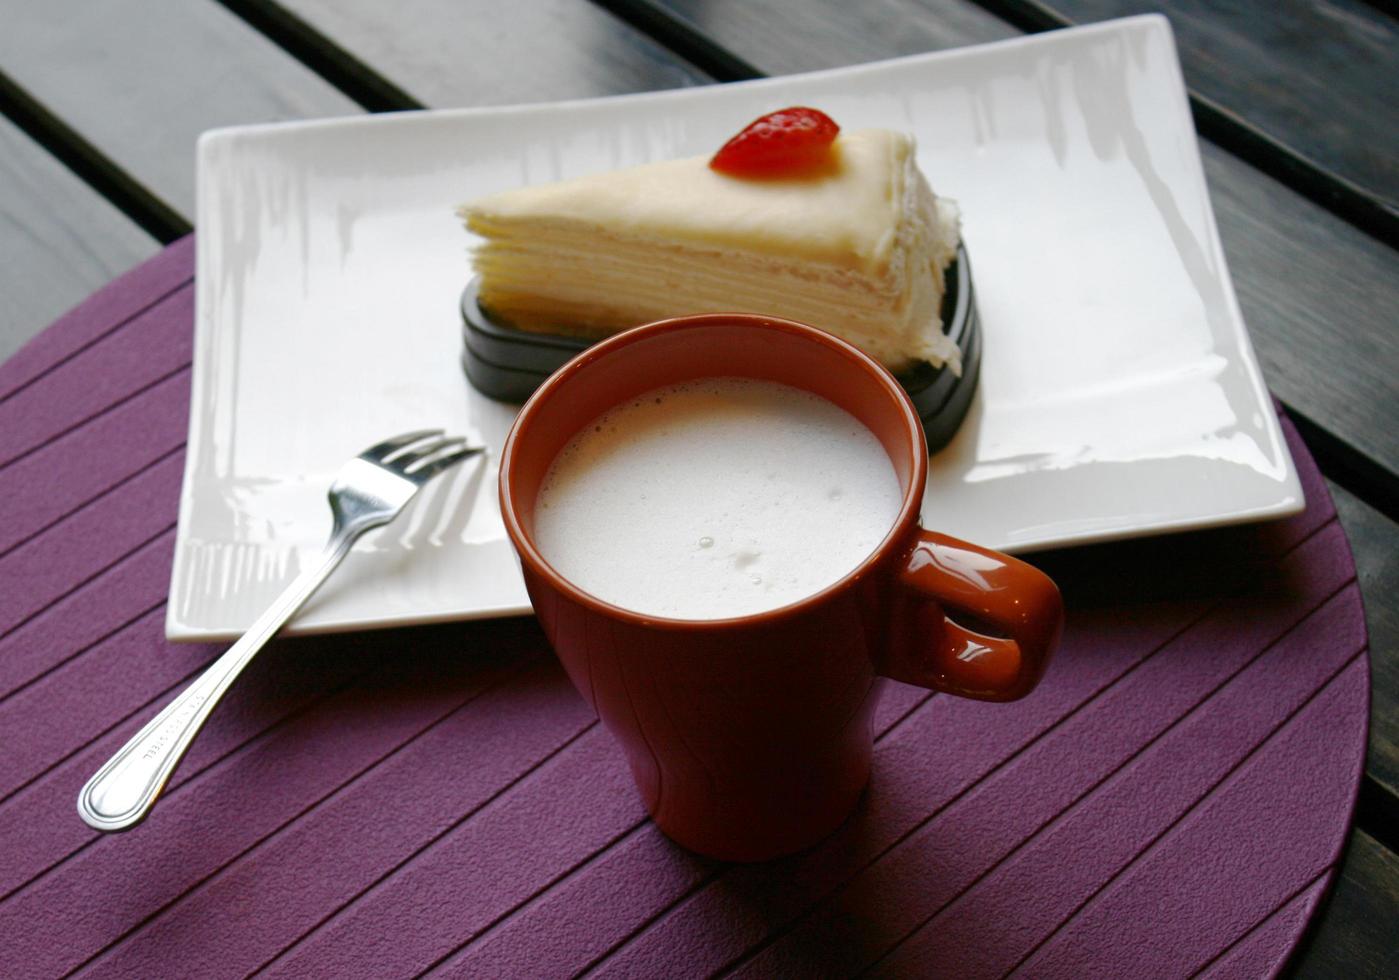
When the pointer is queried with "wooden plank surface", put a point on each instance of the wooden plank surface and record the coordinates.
(781, 37)
(59, 240)
(1374, 541)
(1312, 75)
(1356, 935)
(497, 52)
(141, 80)
(1313, 289)
(1320, 299)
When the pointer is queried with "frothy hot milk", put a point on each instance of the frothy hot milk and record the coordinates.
(716, 498)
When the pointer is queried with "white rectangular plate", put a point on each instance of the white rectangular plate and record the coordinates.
(1119, 394)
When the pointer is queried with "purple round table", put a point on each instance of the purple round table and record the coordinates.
(1173, 800)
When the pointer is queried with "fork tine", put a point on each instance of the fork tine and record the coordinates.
(425, 470)
(379, 453)
(416, 454)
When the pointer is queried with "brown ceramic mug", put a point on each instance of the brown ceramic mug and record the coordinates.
(750, 737)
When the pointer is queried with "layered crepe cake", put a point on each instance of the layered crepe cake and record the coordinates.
(857, 246)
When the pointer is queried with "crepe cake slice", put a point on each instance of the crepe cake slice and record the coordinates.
(856, 246)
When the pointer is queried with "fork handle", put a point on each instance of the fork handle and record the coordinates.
(122, 792)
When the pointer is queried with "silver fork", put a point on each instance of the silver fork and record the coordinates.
(369, 491)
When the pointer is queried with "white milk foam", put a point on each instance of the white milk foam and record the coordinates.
(715, 498)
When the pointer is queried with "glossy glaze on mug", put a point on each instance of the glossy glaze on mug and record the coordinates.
(750, 737)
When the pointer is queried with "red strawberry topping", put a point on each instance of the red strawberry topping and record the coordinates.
(788, 141)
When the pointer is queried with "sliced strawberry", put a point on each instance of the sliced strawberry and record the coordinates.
(786, 141)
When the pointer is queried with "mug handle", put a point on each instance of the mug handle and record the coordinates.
(996, 592)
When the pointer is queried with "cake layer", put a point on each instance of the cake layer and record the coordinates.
(596, 291)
